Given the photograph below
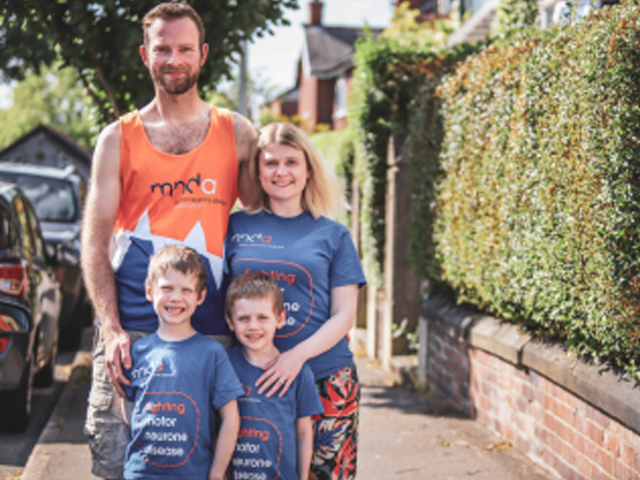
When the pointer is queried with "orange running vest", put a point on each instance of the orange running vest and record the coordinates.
(168, 199)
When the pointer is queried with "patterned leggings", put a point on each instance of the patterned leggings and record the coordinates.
(336, 430)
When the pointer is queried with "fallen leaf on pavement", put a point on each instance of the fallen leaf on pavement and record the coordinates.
(500, 445)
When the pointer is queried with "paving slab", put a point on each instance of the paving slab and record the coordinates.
(408, 435)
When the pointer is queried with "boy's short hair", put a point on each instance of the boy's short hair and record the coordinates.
(180, 258)
(254, 285)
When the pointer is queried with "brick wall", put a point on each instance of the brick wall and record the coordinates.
(307, 102)
(556, 428)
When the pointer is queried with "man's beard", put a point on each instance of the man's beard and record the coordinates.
(175, 86)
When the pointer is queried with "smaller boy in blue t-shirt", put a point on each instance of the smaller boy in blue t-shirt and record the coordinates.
(276, 433)
(179, 380)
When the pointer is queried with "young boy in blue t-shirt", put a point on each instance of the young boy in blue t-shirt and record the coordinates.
(276, 433)
(179, 380)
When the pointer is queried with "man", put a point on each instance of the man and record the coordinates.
(169, 173)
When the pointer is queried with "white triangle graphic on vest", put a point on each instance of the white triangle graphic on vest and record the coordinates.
(196, 239)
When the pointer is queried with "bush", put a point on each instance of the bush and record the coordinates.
(536, 210)
(389, 71)
(336, 148)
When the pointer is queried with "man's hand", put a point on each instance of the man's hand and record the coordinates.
(117, 355)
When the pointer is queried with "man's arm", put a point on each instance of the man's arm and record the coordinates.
(304, 443)
(246, 139)
(102, 206)
(226, 441)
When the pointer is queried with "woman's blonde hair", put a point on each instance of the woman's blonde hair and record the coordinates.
(321, 196)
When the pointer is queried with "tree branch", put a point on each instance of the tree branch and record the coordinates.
(87, 86)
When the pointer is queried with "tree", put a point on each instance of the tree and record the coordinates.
(100, 41)
(55, 98)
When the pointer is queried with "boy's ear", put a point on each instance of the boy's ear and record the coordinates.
(230, 323)
(281, 318)
(203, 295)
(149, 292)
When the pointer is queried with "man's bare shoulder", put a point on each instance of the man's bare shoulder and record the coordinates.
(106, 156)
(109, 136)
(242, 126)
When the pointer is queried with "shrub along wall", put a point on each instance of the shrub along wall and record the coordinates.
(386, 81)
(533, 212)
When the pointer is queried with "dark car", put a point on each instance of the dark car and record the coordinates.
(57, 194)
(30, 300)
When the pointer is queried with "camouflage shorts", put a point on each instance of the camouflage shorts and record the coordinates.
(105, 426)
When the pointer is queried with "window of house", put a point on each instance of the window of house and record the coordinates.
(340, 96)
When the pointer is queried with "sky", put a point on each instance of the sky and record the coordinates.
(274, 58)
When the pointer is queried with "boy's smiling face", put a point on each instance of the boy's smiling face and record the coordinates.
(255, 323)
(175, 297)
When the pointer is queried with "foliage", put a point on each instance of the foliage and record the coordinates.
(100, 41)
(514, 17)
(407, 32)
(412, 338)
(389, 71)
(537, 208)
(221, 99)
(267, 116)
(336, 148)
(227, 93)
(55, 98)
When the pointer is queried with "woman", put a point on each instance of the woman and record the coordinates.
(283, 233)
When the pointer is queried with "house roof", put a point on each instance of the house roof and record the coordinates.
(328, 51)
(58, 136)
(291, 95)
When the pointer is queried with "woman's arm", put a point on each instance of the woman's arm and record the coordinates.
(283, 370)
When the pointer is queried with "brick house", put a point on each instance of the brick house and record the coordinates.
(324, 74)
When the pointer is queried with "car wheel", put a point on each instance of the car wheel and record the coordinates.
(45, 376)
(16, 404)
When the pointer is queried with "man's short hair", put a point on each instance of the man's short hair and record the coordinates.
(254, 285)
(180, 258)
(170, 11)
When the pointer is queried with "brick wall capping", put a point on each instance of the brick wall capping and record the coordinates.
(599, 385)
(454, 319)
(501, 339)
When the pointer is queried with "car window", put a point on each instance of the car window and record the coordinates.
(53, 199)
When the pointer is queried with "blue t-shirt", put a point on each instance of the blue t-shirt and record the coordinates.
(175, 387)
(266, 447)
(307, 257)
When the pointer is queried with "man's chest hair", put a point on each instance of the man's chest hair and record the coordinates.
(178, 138)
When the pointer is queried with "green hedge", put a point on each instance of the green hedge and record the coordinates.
(534, 205)
(336, 148)
(387, 78)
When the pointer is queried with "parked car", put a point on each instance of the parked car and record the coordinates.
(57, 194)
(30, 302)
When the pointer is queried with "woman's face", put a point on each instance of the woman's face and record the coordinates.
(283, 175)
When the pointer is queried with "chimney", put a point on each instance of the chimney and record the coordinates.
(315, 10)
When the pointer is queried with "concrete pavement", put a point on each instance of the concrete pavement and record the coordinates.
(404, 435)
